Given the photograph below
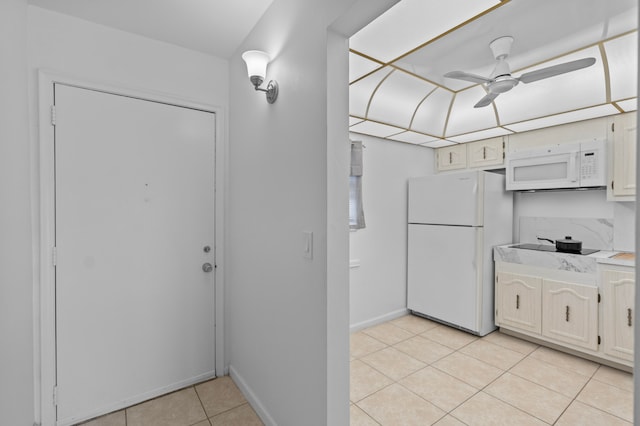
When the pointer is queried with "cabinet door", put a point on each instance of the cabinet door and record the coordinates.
(452, 157)
(489, 152)
(618, 303)
(624, 155)
(518, 303)
(570, 313)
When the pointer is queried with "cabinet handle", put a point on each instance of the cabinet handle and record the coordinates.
(629, 319)
(566, 314)
(450, 157)
(484, 152)
(517, 301)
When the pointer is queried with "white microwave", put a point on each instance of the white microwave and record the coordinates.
(568, 165)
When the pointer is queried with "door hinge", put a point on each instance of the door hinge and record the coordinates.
(55, 395)
(599, 340)
(54, 256)
(53, 115)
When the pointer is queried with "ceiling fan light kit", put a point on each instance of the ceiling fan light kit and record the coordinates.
(502, 81)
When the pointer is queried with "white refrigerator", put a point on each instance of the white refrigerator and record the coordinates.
(454, 221)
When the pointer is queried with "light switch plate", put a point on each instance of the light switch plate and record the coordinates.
(307, 245)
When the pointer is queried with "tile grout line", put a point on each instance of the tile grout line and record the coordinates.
(513, 406)
(524, 378)
(419, 334)
(483, 389)
(202, 403)
(575, 398)
(597, 408)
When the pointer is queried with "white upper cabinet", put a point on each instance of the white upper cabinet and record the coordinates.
(622, 183)
(451, 157)
(488, 152)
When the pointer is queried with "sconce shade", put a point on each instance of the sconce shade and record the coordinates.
(257, 62)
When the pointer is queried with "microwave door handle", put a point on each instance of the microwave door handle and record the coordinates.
(573, 173)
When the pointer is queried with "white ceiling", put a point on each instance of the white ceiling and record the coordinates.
(397, 62)
(397, 66)
(216, 27)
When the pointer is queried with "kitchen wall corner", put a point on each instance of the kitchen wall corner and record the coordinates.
(378, 286)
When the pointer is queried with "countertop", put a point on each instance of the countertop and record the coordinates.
(617, 258)
(562, 261)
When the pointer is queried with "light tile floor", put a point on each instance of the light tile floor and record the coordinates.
(412, 371)
(217, 402)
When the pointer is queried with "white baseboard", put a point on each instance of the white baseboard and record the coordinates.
(378, 320)
(251, 397)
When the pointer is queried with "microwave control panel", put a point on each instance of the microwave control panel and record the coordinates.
(592, 164)
(588, 165)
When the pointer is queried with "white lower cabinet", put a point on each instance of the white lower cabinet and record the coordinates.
(618, 311)
(566, 308)
(570, 313)
(518, 301)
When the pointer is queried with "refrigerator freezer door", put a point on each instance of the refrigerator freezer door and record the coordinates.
(444, 270)
(447, 199)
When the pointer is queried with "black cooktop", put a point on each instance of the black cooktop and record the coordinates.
(547, 247)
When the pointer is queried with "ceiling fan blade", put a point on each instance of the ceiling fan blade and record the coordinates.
(461, 75)
(554, 70)
(489, 97)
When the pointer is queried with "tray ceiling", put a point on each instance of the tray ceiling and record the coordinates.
(397, 64)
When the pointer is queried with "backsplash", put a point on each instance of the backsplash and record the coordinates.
(596, 233)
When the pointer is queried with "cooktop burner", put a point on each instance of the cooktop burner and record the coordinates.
(547, 247)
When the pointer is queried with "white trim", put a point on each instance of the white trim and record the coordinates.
(43, 214)
(251, 397)
(378, 320)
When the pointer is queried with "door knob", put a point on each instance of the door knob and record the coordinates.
(207, 267)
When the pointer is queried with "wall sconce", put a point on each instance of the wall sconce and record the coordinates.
(257, 62)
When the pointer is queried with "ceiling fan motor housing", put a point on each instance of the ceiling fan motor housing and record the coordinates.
(502, 84)
(501, 47)
(502, 81)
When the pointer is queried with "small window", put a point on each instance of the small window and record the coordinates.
(356, 211)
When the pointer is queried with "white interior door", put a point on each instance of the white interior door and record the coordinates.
(134, 191)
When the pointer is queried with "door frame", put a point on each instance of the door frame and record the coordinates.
(43, 189)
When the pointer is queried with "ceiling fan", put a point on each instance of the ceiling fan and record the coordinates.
(501, 79)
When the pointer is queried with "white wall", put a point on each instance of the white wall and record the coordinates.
(378, 281)
(16, 331)
(95, 52)
(33, 38)
(279, 303)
